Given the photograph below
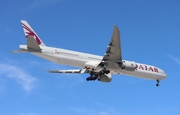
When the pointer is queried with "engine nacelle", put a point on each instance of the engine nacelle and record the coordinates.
(128, 65)
(105, 77)
(92, 64)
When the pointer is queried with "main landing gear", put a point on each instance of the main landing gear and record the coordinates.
(104, 71)
(157, 84)
(93, 76)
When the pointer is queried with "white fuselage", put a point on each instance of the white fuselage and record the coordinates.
(78, 59)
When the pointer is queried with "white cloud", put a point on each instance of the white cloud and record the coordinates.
(176, 59)
(22, 77)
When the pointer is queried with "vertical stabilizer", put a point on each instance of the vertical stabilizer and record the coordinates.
(28, 31)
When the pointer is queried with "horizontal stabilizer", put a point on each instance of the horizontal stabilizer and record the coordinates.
(32, 44)
(79, 71)
(19, 51)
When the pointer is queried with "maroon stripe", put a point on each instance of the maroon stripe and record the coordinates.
(31, 33)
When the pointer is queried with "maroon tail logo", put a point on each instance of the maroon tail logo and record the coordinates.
(29, 32)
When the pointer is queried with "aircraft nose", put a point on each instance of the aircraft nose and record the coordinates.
(163, 73)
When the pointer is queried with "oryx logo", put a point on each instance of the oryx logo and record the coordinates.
(29, 32)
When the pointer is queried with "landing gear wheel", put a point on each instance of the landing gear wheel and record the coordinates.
(93, 77)
(107, 71)
(157, 84)
(87, 79)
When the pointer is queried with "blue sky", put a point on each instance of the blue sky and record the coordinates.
(149, 33)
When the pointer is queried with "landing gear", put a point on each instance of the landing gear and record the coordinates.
(104, 71)
(157, 84)
(91, 78)
(93, 75)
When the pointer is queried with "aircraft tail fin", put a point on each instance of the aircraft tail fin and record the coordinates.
(28, 31)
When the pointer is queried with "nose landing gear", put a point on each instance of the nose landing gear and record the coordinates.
(157, 84)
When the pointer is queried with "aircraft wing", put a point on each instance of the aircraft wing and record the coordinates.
(112, 55)
(77, 71)
(113, 52)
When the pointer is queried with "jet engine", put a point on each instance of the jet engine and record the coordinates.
(128, 65)
(105, 77)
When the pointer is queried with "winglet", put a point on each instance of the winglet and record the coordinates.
(28, 31)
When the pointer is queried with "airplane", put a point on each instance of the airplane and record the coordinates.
(99, 68)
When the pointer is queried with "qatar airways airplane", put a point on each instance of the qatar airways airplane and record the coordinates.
(99, 68)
